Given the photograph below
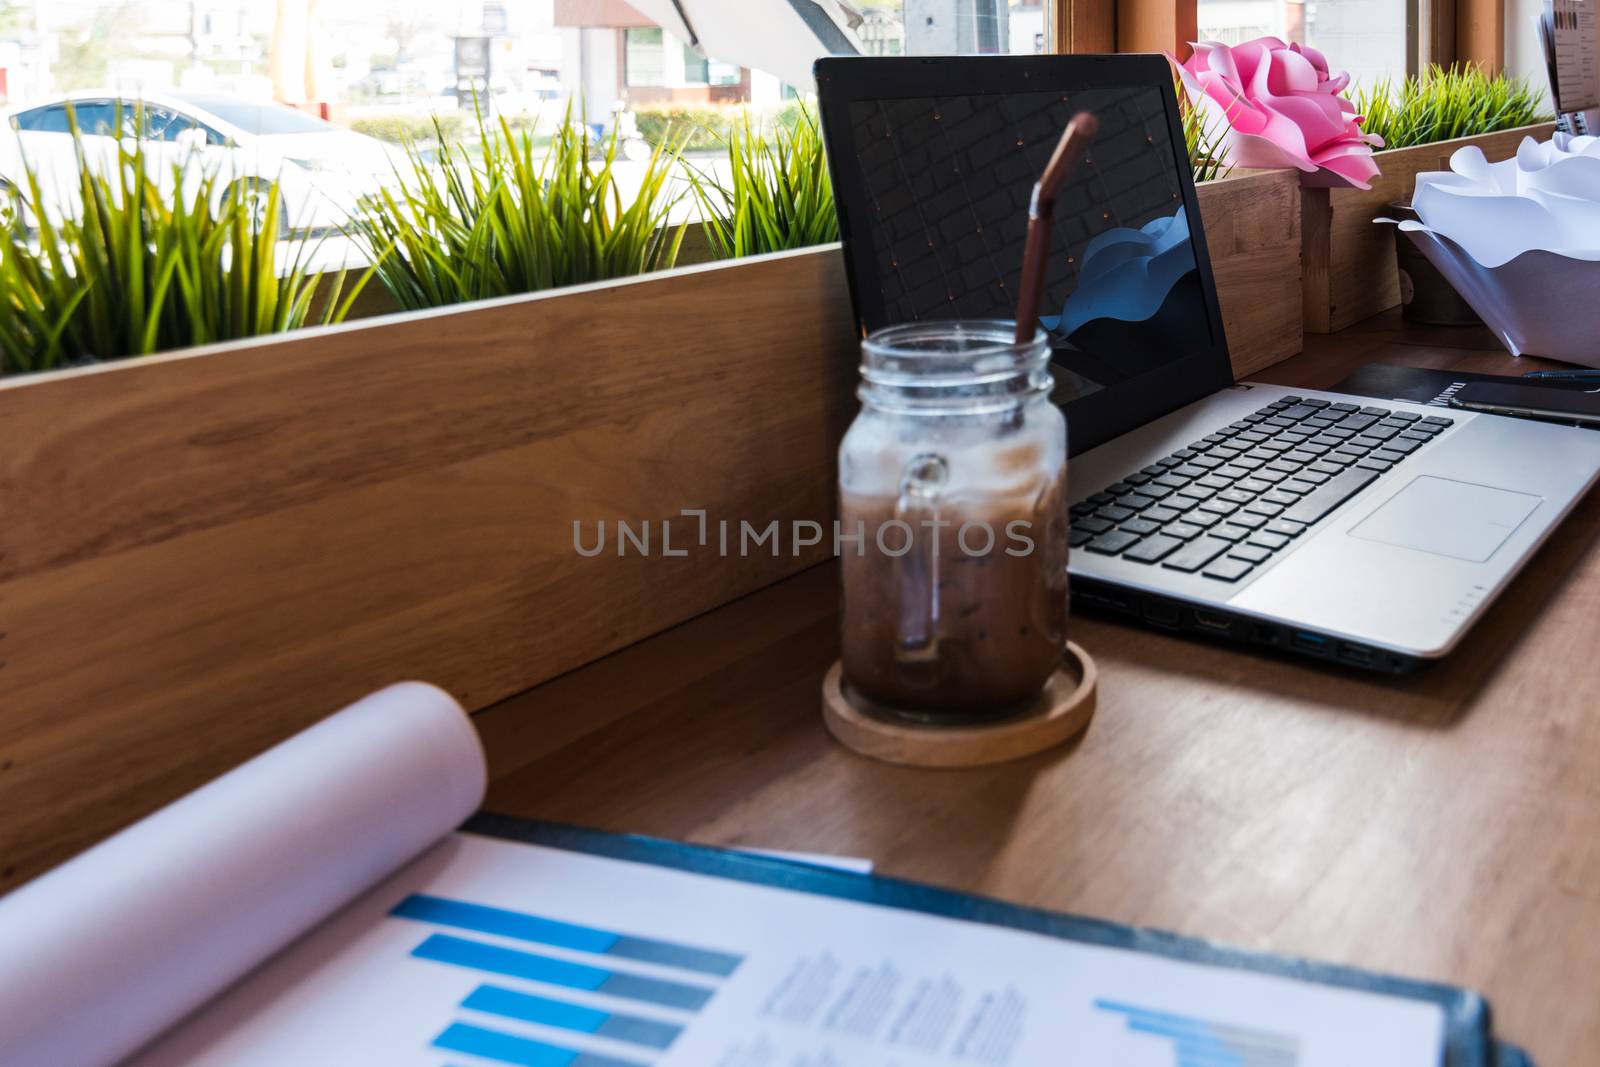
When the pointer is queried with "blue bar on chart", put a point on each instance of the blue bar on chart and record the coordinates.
(519, 1051)
(479, 918)
(1202, 1043)
(494, 959)
(524, 1007)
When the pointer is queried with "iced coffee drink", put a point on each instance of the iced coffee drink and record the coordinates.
(954, 537)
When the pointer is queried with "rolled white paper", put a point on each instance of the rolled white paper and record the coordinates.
(102, 954)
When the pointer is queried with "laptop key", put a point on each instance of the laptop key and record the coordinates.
(1286, 527)
(1170, 480)
(1228, 531)
(1196, 554)
(1381, 413)
(1101, 497)
(1252, 485)
(1184, 531)
(1230, 472)
(1109, 544)
(1134, 501)
(1215, 481)
(1156, 492)
(1115, 513)
(1299, 485)
(1229, 570)
(1077, 538)
(1439, 420)
(1298, 412)
(1266, 508)
(1375, 465)
(1388, 455)
(1219, 507)
(1236, 496)
(1203, 519)
(1314, 402)
(1141, 526)
(1137, 478)
(1268, 540)
(1253, 553)
(1403, 416)
(1249, 520)
(1322, 466)
(1283, 496)
(1343, 408)
(1160, 513)
(1153, 549)
(1403, 446)
(1092, 525)
(1118, 488)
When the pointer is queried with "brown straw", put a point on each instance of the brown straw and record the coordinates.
(1073, 144)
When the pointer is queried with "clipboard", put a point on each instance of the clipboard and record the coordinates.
(1468, 1040)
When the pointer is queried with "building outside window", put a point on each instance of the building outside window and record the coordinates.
(1368, 38)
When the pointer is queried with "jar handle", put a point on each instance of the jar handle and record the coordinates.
(921, 492)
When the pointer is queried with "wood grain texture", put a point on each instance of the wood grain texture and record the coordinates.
(201, 554)
(1166, 26)
(1348, 261)
(1481, 32)
(1441, 826)
(1085, 26)
(1252, 228)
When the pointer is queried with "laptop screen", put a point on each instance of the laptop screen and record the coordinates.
(933, 191)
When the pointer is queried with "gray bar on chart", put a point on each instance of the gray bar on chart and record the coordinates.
(655, 991)
(694, 959)
(637, 1031)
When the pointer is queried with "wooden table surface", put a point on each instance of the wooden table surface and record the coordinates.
(1444, 826)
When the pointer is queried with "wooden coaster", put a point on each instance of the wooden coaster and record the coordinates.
(1063, 709)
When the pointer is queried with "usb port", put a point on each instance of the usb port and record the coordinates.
(1309, 642)
(1210, 620)
(1361, 654)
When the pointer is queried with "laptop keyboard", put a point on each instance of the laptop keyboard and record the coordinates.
(1225, 504)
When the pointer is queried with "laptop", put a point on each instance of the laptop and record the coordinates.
(1361, 533)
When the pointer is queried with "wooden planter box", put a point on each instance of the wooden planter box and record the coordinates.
(1252, 227)
(1349, 265)
(204, 552)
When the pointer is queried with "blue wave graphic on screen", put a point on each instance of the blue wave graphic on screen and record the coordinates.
(1127, 274)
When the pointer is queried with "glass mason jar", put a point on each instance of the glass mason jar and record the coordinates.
(952, 506)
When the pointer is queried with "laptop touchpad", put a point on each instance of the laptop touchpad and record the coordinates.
(1449, 518)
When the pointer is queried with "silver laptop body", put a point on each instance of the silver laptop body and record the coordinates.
(1394, 575)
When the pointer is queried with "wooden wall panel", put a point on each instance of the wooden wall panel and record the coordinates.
(202, 553)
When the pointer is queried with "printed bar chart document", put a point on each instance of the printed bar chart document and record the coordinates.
(178, 944)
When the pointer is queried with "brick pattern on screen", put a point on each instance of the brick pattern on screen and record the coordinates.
(949, 180)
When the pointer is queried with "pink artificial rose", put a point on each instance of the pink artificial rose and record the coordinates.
(1276, 105)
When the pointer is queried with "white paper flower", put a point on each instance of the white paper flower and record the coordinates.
(1547, 197)
(1520, 241)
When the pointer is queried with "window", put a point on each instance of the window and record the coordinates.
(951, 27)
(1368, 38)
(95, 118)
(644, 57)
(258, 118)
(696, 67)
